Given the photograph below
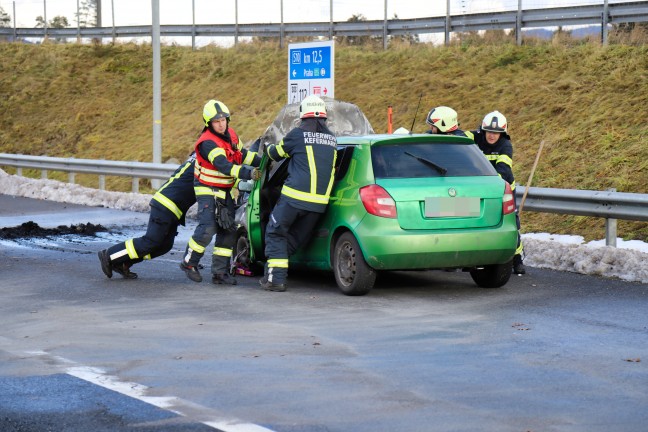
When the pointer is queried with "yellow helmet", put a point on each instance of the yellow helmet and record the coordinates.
(312, 107)
(495, 122)
(443, 118)
(214, 110)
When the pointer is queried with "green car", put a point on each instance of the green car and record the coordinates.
(399, 202)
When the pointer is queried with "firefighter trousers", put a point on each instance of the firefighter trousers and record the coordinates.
(288, 229)
(205, 231)
(160, 234)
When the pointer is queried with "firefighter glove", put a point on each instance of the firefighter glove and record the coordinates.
(256, 174)
(223, 217)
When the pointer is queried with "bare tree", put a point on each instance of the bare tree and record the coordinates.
(357, 40)
(87, 15)
(57, 22)
(5, 19)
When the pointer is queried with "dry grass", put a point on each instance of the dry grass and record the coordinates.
(588, 102)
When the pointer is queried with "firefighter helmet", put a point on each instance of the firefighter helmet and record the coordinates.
(443, 118)
(312, 106)
(214, 110)
(494, 122)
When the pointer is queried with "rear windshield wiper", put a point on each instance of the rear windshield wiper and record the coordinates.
(439, 168)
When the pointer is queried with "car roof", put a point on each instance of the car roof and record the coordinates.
(386, 139)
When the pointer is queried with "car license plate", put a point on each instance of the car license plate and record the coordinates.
(452, 207)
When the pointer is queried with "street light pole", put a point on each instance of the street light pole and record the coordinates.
(157, 89)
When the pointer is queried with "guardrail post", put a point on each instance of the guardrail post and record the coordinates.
(604, 23)
(71, 177)
(193, 25)
(44, 174)
(447, 24)
(114, 32)
(135, 185)
(19, 171)
(102, 182)
(611, 228)
(14, 21)
(518, 24)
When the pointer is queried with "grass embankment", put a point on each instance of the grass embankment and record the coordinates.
(589, 103)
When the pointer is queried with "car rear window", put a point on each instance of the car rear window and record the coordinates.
(415, 160)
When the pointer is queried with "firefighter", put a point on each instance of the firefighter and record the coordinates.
(311, 152)
(494, 141)
(169, 206)
(443, 120)
(221, 161)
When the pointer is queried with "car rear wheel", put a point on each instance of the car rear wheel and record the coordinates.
(492, 276)
(241, 255)
(352, 273)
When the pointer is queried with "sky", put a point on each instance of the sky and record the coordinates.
(628, 261)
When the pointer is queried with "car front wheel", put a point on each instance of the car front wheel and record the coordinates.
(492, 276)
(352, 273)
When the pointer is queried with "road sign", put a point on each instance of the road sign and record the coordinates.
(311, 70)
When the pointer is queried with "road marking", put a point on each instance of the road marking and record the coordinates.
(138, 391)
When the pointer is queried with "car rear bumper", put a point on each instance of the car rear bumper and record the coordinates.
(388, 247)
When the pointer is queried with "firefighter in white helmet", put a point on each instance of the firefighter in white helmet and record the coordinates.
(311, 149)
(443, 120)
(494, 141)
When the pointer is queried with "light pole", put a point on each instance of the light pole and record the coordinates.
(157, 89)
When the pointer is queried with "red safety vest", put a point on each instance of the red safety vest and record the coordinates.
(208, 174)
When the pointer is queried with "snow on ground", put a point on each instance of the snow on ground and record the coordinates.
(628, 261)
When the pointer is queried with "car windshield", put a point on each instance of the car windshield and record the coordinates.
(405, 160)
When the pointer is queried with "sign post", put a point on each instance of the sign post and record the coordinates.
(311, 70)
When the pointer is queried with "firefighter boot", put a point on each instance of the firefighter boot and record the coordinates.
(104, 259)
(124, 270)
(518, 267)
(223, 279)
(191, 271)
(269, 286)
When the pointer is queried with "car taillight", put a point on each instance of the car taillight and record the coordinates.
(377, 201)
(508, 203)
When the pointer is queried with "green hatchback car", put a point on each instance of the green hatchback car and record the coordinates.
(399, 202)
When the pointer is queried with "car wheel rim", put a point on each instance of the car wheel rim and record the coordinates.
(243, 251)
(346, 264)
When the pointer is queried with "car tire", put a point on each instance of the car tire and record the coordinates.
(352, 273)
(492, 276)
(241, 253)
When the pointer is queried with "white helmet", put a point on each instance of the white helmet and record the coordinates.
(495, 122)
(443, 118)
(312, 107)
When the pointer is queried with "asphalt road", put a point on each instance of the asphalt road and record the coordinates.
(424, 351)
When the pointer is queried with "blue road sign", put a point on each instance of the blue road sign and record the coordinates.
(311, 70)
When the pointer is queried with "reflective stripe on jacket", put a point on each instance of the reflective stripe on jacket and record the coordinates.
(499, 154)
(177, 193)
(206, 172)
(311, 151)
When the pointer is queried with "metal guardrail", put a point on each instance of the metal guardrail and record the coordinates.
(615, 13)
(101, 167)
(609, 205)
(604, 204)
(90, 166)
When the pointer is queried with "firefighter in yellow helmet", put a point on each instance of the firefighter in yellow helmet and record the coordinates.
(443, 120)
(221, 160)
(311, 150)
(494, 141)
